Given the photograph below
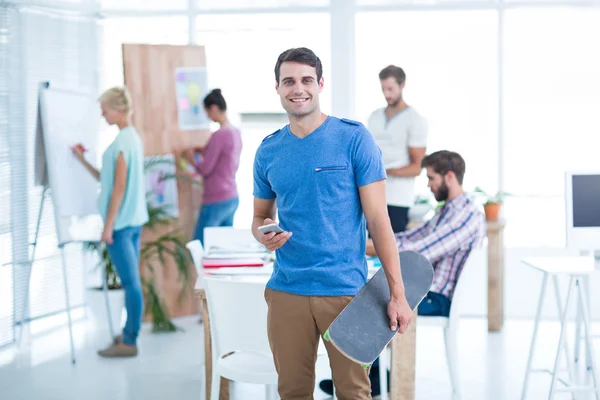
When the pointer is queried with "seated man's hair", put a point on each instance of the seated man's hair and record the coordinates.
(444, 161)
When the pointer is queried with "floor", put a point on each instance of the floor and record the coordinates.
(170, 366)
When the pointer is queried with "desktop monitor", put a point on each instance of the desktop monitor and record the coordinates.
(582, 200)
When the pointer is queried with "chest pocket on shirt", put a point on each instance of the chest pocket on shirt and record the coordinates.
(331, 168)
(332, 182)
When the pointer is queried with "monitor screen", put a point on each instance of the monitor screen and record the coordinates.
(586, 201)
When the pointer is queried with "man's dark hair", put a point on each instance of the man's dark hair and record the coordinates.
(215, 98)
(445, 161)
(300, 55)
(391, 71)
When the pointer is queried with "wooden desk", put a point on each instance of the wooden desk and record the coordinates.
(402, 363)
(495, 236)
(403, 359)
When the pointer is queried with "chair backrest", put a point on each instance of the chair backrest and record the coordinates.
(197, 252)
(238, 315)
(477, 259)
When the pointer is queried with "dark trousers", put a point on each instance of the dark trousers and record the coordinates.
(398, 218)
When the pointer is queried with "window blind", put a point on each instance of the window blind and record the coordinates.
(61, 48)
(9, 109)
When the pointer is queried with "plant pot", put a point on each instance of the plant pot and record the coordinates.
(96, 304)
(492, 211)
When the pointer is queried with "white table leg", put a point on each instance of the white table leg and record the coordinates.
(561, 340)
(577, 333)
(536, 325)
(570, 368)
(588, 337)
(586, 288)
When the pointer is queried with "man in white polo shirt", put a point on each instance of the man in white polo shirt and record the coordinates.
(401, 134)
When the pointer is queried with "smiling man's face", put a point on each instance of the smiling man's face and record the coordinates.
(299, 89)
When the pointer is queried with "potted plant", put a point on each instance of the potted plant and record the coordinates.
(492, 203)
(167, 245)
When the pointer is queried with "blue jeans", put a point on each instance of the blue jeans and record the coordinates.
(216, 214)
(434, 304)
(125, 255)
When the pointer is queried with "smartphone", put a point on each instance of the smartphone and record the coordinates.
(270, 228)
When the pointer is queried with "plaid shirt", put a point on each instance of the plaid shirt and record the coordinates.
(446, 240)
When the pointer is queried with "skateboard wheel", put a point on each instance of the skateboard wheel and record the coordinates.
(326, 336)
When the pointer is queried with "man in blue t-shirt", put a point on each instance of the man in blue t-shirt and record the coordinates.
(325, 179)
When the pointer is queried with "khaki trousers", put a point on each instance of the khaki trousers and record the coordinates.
(294, 325)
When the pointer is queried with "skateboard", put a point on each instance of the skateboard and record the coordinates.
(362, 330)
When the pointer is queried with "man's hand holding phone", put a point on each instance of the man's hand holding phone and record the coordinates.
(272, 236)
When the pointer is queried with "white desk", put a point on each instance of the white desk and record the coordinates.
(562, 265)
(577, 269)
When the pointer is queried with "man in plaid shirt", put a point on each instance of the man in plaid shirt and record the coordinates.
(446, 240)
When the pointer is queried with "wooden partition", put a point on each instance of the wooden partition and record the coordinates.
(149, 72)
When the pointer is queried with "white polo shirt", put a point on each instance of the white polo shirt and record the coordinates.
(394, 136)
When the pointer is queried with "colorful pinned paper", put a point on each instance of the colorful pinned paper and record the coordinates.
(191, 86)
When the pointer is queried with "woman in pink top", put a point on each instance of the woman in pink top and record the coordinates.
(218, 163)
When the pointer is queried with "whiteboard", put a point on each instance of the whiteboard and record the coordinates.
(68, 118)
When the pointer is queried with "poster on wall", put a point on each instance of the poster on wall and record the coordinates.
(161, 184)
(191, 86)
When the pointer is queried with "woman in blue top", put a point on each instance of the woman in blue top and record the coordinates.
(122, 204)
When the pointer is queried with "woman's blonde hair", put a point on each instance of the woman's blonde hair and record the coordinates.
(117, 98)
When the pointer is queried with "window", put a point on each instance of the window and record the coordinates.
(40, 48)
(241, 52)
(249, 4)
(422, 3)
(9, 18)
(150, 30)
(115, 32)
(450, 60)
(144, 4)
(552, 98)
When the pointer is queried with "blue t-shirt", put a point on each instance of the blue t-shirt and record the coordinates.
(134, 210)
(315, 182)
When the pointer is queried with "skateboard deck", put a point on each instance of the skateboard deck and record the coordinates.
(362, 330)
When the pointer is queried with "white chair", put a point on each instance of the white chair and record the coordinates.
(238, 326)
(476, 259)
(240, 302)
(197, 253)
(450, 324)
